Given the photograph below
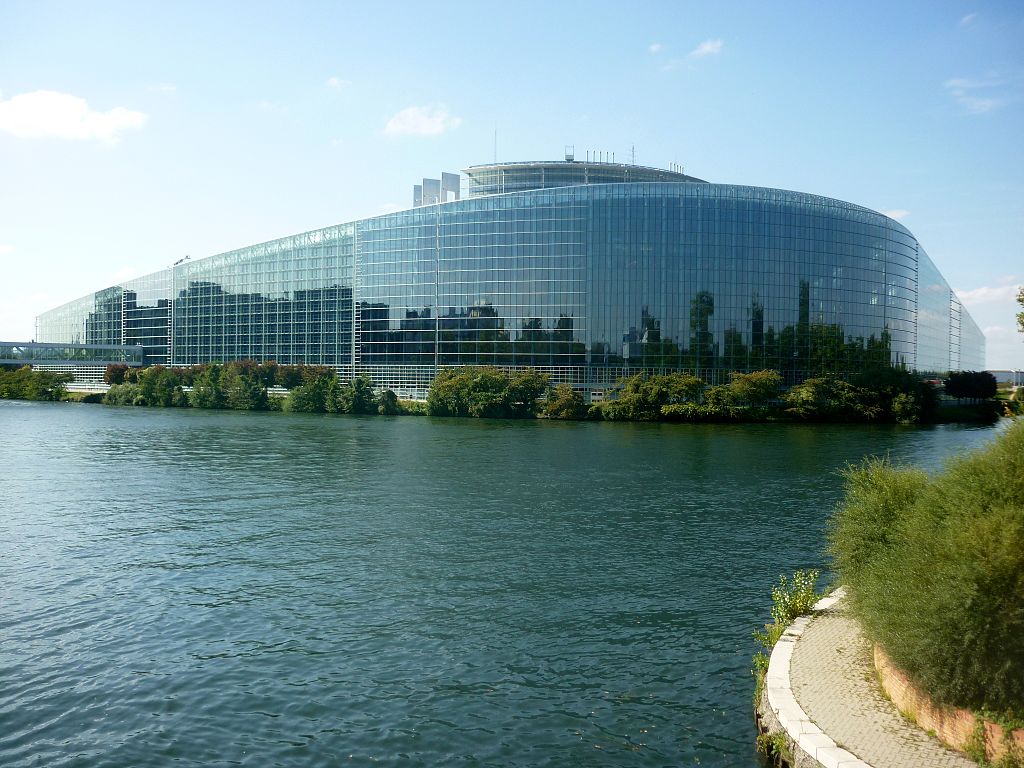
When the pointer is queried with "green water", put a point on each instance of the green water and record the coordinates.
(216, 588)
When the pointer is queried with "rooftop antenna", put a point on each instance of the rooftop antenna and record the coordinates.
(633, 160)
(495, 143)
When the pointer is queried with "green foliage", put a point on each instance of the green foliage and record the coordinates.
(935, 571)
(789, 600)
(876, 495)
(160, 386)
(356, 397)
(486, 392)
(641, 398)
(1020, 315)
(387, 404)
(755, 388)
(775, 747)
(794, 598)
(830, 399)
(975, 385)
(564, 402)
(25, 384)
(114, 374)
(881, 386)
(206, 391)
(317, 395)
(241, 385)
(124, 394)
(413, 407)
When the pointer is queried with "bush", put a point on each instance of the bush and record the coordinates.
(935, 571)
(975, 385)
(564, 402)
(387, 404)
(26, 384)
(124, 394)
(486, 392)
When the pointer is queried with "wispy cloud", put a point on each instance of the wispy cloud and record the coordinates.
(168, 88)
(429, 120)
(6, 249)
(337, 83)
(654, 48)
(707, 48)
(988, 294)
(43, 114)
(975, 96)
(968, 19)
(896, 213)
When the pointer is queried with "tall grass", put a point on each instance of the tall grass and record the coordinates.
(935, 571)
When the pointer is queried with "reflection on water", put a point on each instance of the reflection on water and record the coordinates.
(266, 589)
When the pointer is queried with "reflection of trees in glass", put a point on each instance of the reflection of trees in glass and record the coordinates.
(703, 349)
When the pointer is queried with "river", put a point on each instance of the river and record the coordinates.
(216, 588)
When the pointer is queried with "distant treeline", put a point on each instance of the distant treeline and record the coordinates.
(882, 394)
(25, 384)
(242, 385)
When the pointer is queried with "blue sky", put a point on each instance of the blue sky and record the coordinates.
(134, 133)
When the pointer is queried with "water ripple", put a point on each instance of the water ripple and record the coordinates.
(271, 590)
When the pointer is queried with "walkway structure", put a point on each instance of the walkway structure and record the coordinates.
(822, 692)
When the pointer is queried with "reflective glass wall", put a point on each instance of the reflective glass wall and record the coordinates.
(587, 283)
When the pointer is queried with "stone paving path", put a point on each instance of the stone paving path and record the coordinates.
(834, 681)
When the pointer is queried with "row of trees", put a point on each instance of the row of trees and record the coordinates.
(882, 394)
(879, 394)
(242, 385)
(25, 384)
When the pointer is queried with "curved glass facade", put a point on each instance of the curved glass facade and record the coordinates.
(588, 283)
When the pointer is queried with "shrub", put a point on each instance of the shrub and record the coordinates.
(413, 407)
(124, 394)
(564, 402)
(935, 571)
(387, 404)
(114, 374)
(485, 391)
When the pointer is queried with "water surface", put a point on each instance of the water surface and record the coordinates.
(217, 588)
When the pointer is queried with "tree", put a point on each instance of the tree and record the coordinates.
(357, 397)
(975, 385)
(206, 391)
(115, 373)
(755, 388)
(243, 388)
(387, 403)
(564, 402)
(1020, 315)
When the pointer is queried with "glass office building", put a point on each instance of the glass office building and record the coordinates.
(587, 271)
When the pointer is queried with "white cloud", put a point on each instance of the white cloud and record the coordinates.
(169, 88)
(987, 294)
(707, 48)
(337, 83)
(896, 213)
(974, 95)
(6, 249)
(60, 115)
(430, 120)
(654, 47)
(966, 20)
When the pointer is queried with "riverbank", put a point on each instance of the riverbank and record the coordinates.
(892, 396)
(821, 704)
